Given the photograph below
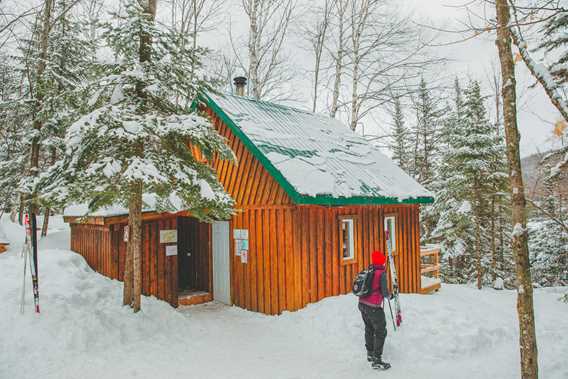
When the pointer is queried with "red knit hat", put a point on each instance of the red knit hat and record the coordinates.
(378, 258)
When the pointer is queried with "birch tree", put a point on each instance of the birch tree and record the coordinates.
(525, 308)
(316, 34)
(269, 21)
(338, 53)
(193, 17)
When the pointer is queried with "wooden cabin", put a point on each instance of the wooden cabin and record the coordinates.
(313, 200)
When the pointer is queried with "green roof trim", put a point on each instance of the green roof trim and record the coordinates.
(297, 198)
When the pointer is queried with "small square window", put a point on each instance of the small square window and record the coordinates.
(347, 238)
(390, 233)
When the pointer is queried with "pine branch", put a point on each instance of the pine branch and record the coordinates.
(549, 215)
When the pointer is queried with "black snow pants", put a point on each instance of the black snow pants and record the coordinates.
(375, 328)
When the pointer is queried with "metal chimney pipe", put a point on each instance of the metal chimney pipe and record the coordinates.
(240, 84)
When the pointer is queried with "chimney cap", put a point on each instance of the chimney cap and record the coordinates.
(240, 80)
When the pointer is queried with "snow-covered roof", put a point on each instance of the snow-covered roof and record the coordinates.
(149, 204)
(315, 158)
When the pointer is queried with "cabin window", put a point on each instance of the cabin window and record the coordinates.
(347, 238)
(390, 233)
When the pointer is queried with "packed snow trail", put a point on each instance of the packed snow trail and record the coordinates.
(84, 332)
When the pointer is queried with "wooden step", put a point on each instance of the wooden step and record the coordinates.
(193, 298)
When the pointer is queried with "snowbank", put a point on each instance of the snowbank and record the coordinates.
(427, 281)
(3, 238)
(84, 332)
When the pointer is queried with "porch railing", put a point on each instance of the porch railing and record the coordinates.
(429, 268)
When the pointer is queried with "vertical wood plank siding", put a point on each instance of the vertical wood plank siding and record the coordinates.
(246, 180)
(104, 249)
(294, 255)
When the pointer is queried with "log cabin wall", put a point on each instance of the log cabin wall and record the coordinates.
(324, 272)
(93, 242)
(246, 180)
(294, 254)
(268, 282)
(104, 249)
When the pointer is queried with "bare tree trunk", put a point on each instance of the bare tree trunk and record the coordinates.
(45, 223)
(318, 41)
(137, 187)
(478, 250)
(252, 46)
(135, 241)
(493, 242)
(47, 211)
(21, 210)
(525, 309)
(37, 123)
(359, 15)
(128, 270)
(341, 7)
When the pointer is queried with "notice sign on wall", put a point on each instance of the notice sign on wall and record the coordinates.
(241, 244)
(171, 250)
(241, 234)
(168, 236)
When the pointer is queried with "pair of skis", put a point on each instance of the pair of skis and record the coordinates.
(397, 317)
(30, 253)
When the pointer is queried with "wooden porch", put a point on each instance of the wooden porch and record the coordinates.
(429, 269)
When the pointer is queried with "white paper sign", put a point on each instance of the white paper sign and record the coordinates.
(168, 236)
(241, 234)
(125, 237)
(244, 256)
(237, 248)
(171, 250)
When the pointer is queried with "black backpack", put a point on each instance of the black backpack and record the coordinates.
(363, 282)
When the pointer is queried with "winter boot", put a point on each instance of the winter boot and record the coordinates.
(371, 357)
(378, 364)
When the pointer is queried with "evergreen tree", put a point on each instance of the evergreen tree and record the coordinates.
(133, 136)
(399, 145)
(50, 74)
(467, 173)
(556, 41)
(12, 163)
(452, 212)
(425, 134)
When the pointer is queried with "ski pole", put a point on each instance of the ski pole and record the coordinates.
(392, 317)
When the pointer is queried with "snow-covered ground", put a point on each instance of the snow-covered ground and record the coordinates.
(84, 332)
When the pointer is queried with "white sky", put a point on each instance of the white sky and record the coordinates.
(474, 58)
(471, 59)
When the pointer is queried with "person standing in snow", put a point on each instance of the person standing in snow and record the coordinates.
(371, 307)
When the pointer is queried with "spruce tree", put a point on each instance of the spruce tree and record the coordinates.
(452, 212)
(133, 137)
(555, 43)
(425, 134)
(467, 184)
(50, 65)
(400, 138)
